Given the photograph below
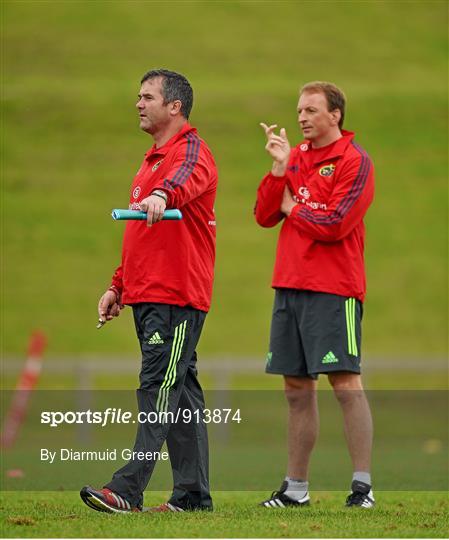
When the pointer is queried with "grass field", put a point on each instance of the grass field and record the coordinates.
(410, 451)
(397, 515)
(71, 146)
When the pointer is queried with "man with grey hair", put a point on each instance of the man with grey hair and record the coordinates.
(320, 190)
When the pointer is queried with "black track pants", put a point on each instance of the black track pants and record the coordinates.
(168, 337)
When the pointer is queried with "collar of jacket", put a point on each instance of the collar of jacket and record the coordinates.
(331, 151)
(153, 151)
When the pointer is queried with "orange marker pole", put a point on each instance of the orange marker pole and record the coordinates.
(28, 379)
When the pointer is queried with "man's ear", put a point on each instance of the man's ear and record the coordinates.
(336, 116)
(175, 107)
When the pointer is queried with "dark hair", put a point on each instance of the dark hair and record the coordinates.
(334, 96)
(174, 87)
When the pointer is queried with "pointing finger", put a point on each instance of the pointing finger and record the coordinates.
(268, 129)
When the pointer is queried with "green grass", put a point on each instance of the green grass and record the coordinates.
(410, 447)
(71, 145)
(236, 515)
(393, 380)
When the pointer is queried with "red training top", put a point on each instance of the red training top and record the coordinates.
(173, 261)
(321, 243)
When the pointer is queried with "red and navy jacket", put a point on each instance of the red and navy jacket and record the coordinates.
(172, 262)
(321, 243)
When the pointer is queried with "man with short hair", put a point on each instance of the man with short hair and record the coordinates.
(321, 190)
(166, 275)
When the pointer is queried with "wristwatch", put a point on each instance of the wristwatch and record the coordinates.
(160, 193)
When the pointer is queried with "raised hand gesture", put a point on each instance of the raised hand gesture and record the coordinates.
(278, 147)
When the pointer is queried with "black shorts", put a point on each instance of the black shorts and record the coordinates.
(313, 332)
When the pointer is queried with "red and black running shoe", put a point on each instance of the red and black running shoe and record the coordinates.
(105, 500)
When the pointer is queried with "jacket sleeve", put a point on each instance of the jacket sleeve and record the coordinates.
(352, 195)
(269, 198)
(192, 173)
(117, 279)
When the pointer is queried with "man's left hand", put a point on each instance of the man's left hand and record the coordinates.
(288, 203)
(154, 206)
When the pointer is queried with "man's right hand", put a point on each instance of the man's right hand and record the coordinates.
(154, 206)
(278, 147)
(108, 307)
